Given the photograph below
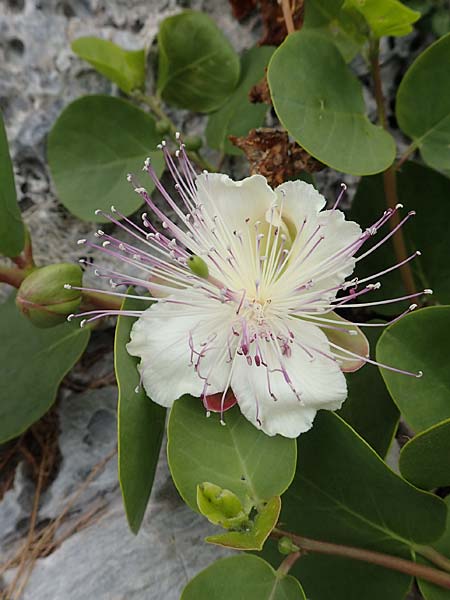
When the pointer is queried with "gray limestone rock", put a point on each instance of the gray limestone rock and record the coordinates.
(105, 560)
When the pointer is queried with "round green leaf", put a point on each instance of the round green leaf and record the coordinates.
(140, 425)
(237, 457)
(12, 233)
(425, 459)
(419, 342)
(33, 363)
(427, 192)
(423, 104)
(430, 591)
(238, 115)
(126, 68)
(94, 144)
(369, 408)
(320, 102)
(344, 493)
(198, 68)
(242, 577)
(385, 17)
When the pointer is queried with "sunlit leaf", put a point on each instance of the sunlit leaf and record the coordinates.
(126, 68)
(198, 68)
(320, 103)
(385, 17)
(423, 104)
(242, 577)
(94, 144)
(237, 456)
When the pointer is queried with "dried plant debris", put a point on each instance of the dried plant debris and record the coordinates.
(242, 8)
(272, 154)
(272, 17)
(260, 92)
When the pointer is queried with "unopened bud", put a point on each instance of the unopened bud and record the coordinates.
(193, 142)
(221, 506)
(287, 546)
(198, 266)
(46, 296)
(162, 126)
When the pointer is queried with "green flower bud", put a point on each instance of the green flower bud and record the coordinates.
(193, 142)
(221, 506)
(198, 266)
(162, 127)
(287, 546)
(43, 297)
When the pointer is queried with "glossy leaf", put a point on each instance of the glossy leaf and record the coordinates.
(242, 577)
(198, 68)
(257, 533)
(385, 17)
(12, 233)
(419, 342)
(320, 102)
(427, 192)
(237, 456)
(369, 408)
(425, 459)
(423, 104)
(430, 591)
(140, 426)
(94, 144)
(344, 493)
(238, 115)
(126, 68)
(33, 363)
(328, 18)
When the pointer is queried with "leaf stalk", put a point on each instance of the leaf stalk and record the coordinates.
(395, 563)
(389, 175)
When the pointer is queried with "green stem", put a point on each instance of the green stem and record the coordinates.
(406, 154)
(12, 277)
(434, 556)
(395, 563)
(288, 563)
(389, 176)
(155, 106)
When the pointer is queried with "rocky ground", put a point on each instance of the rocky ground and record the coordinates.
(39, 75)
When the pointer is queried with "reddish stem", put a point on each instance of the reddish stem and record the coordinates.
(388, 561)
(389, 177)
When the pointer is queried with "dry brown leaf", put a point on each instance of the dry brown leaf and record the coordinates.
(272, 17)
(272, 154)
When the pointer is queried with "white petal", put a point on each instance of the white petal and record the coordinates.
(320, 382)
(160, 338)
(299, 199)
(235, 201)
